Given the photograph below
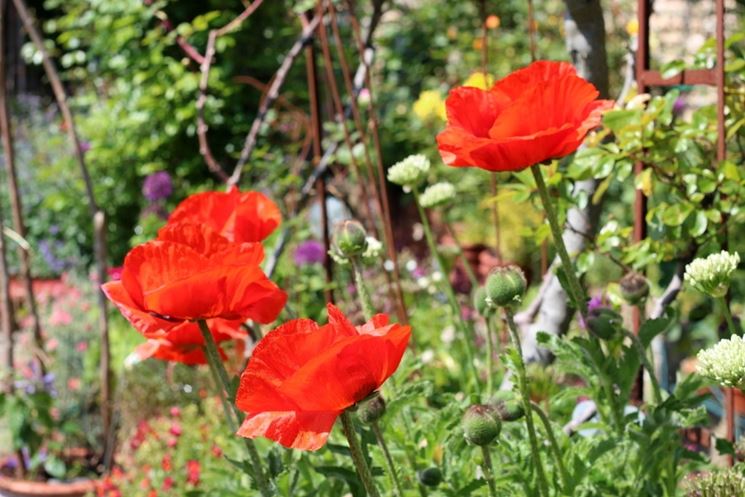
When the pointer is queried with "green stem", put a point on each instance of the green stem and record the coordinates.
(490, 337)
(489, 471)
(223, 386)
(363, 470)
(728, 316)
(449, 291)
(606, 384)
(576, 293)
(563, 474)
(656, 390)
(459, 250)
(363, 294)
(522, 380)
(388, 458)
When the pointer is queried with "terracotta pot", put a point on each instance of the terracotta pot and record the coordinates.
(10, 487)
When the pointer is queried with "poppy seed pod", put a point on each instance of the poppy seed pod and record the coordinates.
(481, 425)
(604, 323)
(507, 405)
(479, 302)
(371, 409)
(505, 286)
(350, 238)
(430, 477)
(634, 288)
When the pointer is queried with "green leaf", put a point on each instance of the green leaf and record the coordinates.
(653, 327)
(55, 467)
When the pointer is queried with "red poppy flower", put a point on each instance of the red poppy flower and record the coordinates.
(238, 216)
(185, 344)
(302, 376)
(537, 113)
(192, 273)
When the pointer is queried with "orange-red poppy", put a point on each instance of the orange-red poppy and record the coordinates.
(537, 113)
(185, 344)
(302, 376)
(191, 273)
(238, 216)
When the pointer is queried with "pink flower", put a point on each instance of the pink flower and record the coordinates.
(167, 483)
(74, 384)
(192, 472)
(81, 346)
(175, 430)
(60, 317)
(175, 411)
(52, 344)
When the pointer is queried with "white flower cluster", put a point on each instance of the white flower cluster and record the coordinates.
(437, 195)
(410, 171)
(712, 275)
(724, 363)
(373, 251)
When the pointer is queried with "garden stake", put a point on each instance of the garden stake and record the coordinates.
(522, 379)
(488, 467)
(223, 386)
(554, 446)
(449, 291)
(363, 470)
(388, 459)
(576, 292)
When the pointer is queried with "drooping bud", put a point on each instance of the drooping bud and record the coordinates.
(507, 405)
(505, 286)
(604, 323)
(371, 409)
(479, 302)
(430, 477)
(350, 238)
(481, 425)
(634, 288)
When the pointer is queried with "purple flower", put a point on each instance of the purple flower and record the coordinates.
(595, 302)
(157, 186)
(679, 106)
(309, 252)
(85, 146)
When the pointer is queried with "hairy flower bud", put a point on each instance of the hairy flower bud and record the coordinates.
(505, 286)
(410, 171)
(430, 477)
(437, 195)
(507, 405)
(724, 363)
(634, 288)
(712, 275)
(481, 425)
(350, 238)
(604, 323)
(480, 303)
(371, 409)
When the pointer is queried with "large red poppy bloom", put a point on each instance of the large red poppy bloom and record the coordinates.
(185, 344)
(302, 376)
(190, 273)
(537, 113)
(238, 216)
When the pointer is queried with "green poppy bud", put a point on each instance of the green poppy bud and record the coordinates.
(604, 323)
(479, 302)
(481, 425)
(430, 477)
(505, 286)
(634, 288)
(350, 238)
(508, 405)
(371, 409)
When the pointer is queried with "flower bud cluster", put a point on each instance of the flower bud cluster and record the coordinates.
(724, 363)
(712, 275)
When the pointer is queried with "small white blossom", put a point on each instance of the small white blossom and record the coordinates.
(410, 171)
(712, 275)
(724, 363)
(437, 195)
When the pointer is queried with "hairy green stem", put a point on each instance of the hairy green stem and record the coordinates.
(449, 291)
(490, 338)
(388, 459)
(656, 390)
(459, 250)
(220, 376)
(488, 467)
(558, 459)
(363, 470)
(728, 316)
(576, 293)
(522, 380)
(362, 292)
